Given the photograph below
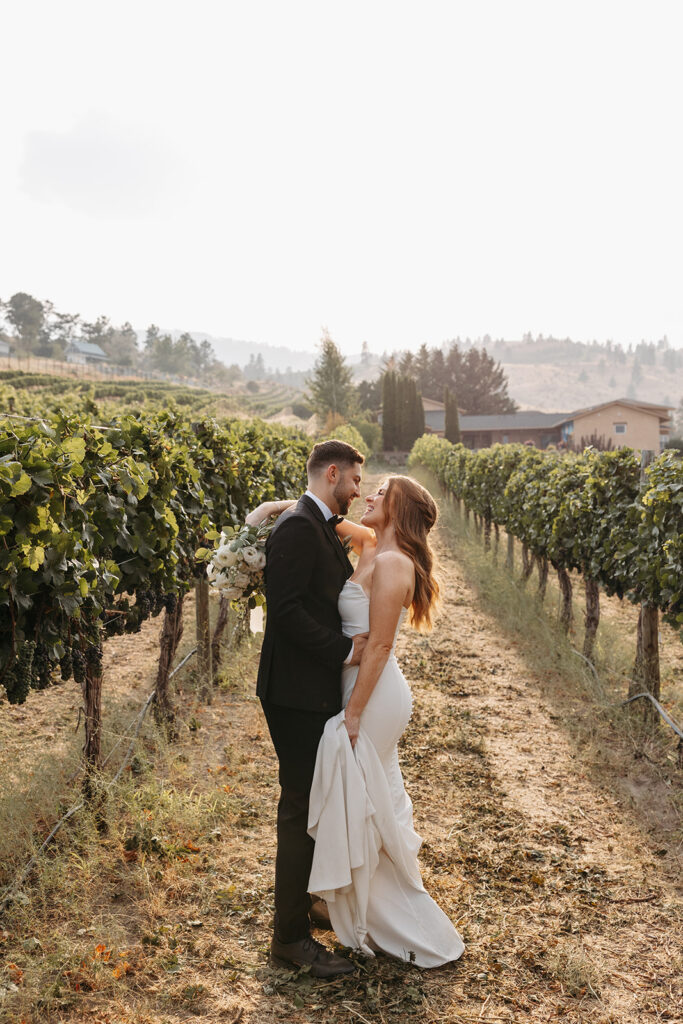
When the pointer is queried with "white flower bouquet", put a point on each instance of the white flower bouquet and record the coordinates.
(235, 569)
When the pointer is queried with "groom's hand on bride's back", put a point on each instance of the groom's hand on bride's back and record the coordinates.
(359, 642)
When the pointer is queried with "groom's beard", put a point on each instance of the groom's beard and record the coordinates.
(342, 498)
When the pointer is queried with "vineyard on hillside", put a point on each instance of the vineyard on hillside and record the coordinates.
(37, 394)
(40, 394)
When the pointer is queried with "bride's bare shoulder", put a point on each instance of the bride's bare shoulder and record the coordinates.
(393, 561)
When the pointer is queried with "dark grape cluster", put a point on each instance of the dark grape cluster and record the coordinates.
(170, 603)
(78, 662)
(42, 668)
(147, 603)
(66, 665)
(93, 657)
(17, 679)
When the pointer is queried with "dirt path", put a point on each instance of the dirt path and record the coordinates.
(565, 890)
(569, 910)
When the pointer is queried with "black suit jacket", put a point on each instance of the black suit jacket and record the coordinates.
(303, 647)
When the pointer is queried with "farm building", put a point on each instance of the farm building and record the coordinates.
(627, 423)
(84, 352)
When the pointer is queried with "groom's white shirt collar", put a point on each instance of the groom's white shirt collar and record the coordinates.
(328, 513)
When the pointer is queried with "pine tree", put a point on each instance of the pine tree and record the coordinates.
(330, 389)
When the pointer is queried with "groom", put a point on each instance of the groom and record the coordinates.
(299, 679)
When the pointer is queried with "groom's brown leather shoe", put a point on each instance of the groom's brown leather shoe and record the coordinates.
(310, 953)
(319, 916)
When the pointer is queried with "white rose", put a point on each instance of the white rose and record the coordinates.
(221, 580)
(225, 557)
(232, 593)
(253, 557)
(241, 579)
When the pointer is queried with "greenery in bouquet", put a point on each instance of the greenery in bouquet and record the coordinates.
(235, 567)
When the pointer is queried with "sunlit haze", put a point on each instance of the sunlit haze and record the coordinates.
(397, 172)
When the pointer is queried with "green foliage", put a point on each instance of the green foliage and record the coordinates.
(37, 394)
(369, 395)
(347, 432)
(301, 409)
(93, 516)
(402, 412)
(659, 537)
(587, 512)
(477, 379)
(370, 432)
(452, 417)
(330, 388)
(27, 316)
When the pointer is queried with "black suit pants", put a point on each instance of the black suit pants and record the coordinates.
(296, 735)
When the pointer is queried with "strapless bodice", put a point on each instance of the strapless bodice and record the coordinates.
(354, 608)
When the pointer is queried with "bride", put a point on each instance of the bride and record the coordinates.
(365, 858)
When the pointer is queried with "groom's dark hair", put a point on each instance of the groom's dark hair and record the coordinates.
(327, 452)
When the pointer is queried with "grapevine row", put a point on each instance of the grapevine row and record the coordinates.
(596, 513)
(586, 512)
(99, 525)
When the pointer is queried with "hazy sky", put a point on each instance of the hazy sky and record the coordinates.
(399, 172)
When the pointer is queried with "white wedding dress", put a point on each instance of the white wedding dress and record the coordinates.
(365, 858)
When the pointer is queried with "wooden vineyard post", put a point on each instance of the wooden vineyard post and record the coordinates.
(242, 628)
(591, 618)
(171, 635)
(542, 564)
(203, 640)
(219, 629)
(646, 676)
(510, 559)
(92, 699)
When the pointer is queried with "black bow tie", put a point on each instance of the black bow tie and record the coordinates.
(333, 520)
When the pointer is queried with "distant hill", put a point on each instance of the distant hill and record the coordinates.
(233, 350)
(548, 374)
(552, 374)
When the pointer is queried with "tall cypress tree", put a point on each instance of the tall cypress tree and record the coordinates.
(403, 412)
(419, 415)
(403, 419)
(389, 411)
(452, 425)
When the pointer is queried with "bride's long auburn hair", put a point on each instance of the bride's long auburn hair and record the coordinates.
(413, 512)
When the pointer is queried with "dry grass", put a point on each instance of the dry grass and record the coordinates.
(566, 904)
(576, 970)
